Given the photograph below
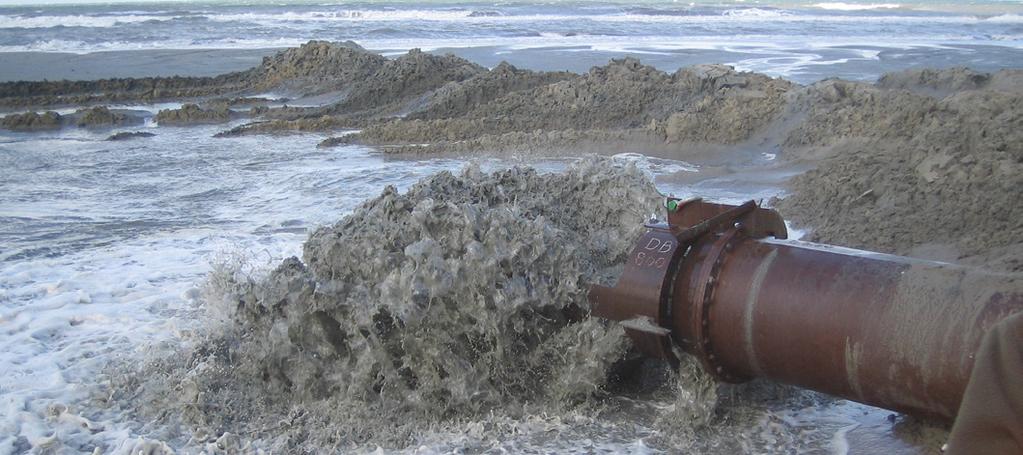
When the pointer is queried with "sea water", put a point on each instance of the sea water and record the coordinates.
(801, 40)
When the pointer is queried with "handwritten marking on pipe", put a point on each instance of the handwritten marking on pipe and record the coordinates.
(661, 246)
(656, 253)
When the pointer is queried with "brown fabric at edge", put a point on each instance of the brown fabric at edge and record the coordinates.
(990, 420)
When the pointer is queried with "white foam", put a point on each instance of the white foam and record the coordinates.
(730, 17)
(75, 21)
(656, 167)
(756, 13)
(1005, 19)
(353, 15)
(82, 47)
(839, 6)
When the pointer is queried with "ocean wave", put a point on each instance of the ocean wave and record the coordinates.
(744, 43)
(648, 11)
(1006, 19)
(730, 16)
(758, 13)
(486, 14)
(355, 15)
(839, 6)
(82, 47)
(76, 21)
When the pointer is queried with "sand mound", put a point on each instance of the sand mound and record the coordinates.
(688, 106)
(32, 121)
(456, 99)
(615, 95)
(462, 297)
(940, 83)
(94, 117)
(192, 114)
(836, 110)
(935, 82)
(101, 116)
(399, 81)
(318, 64)
(923, 177)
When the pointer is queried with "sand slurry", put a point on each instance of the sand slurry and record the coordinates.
(464, 296)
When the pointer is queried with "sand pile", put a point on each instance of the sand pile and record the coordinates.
(462, 297)
(623, 96)
(102, 116)
(94, 117)
(940, 83)
(720, 105)
(407, 77)
(912, 174)
(316, 64)
(835, 111)
(32, 121)
(193, 114)
(445, 100)
(457, 99)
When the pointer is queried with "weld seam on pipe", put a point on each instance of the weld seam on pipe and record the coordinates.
(751, 300)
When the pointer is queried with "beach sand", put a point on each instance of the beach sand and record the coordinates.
(55, 66)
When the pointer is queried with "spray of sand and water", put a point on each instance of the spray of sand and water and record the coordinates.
(463, 297)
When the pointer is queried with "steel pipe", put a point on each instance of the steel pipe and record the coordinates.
(720, 283)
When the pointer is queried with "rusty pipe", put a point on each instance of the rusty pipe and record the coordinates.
(721, 283)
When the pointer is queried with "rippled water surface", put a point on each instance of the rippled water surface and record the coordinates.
(802, 40)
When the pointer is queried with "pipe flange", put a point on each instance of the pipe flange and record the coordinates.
(703, 348)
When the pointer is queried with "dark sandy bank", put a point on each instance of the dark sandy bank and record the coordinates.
(55, 66)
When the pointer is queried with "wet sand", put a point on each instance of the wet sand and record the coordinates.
(37, 66)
